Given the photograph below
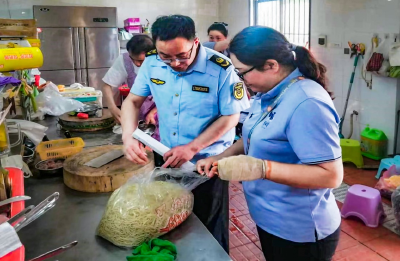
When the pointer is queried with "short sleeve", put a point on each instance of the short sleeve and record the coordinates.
(231, 101)
(141, 85)
(116, 75)
(209, 45)
(313, 132)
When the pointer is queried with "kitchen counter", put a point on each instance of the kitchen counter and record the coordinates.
(77, 214)
(91, 139)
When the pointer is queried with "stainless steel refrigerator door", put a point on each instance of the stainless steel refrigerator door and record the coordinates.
(95, 77)
(102, 47)
(75, 16)
(65, 77)
(57, 46)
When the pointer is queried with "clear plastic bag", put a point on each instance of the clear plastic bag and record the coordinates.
(148, 206)
(51, 102)
(396, 207)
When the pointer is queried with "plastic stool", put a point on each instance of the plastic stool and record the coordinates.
(387, 163)
(351, 152)
(365, 203)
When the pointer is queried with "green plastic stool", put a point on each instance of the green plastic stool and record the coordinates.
(351, 152)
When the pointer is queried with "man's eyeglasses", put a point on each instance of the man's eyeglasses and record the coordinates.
(241, 75)
(179, 60)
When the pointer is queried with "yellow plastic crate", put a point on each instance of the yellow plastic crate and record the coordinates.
(60, 149)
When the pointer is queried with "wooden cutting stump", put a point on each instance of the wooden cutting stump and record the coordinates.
(107, 178)
(73, 123)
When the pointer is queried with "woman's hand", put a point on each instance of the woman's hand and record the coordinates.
(208, 166)
(116, 112)
(151, 116)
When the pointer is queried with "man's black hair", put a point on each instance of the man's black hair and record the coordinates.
(167, 28)
(139, 44)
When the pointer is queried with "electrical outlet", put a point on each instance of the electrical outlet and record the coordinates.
(335, 45)
(346, 50)
(387, 36)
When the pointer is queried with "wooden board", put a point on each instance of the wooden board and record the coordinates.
(107, 178)
(73, 123)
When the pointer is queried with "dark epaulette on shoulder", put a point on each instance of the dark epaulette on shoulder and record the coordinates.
(224, 63)
(152, 52)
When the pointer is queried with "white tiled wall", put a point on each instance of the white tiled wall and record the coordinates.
(357, 21)
(203, 12)
(340, 20)
(235, 13)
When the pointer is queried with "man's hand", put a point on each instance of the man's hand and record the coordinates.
(116, 113)
(150, 117)
(134, 151)
(177, 156)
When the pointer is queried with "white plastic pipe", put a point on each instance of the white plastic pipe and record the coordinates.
(158, 147)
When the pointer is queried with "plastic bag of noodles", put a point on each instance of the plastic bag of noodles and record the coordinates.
(148, 206)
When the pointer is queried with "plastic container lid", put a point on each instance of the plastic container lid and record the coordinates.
(373, 134)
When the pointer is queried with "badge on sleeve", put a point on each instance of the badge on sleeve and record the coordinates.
(157, 81)
(238, 91)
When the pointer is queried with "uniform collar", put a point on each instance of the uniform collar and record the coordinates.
(266, 98)
(200, 62)
(278, 88)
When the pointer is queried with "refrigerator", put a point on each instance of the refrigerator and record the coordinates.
(79, 44)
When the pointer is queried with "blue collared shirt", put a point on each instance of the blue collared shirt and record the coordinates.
(189, 102)
(302, 129)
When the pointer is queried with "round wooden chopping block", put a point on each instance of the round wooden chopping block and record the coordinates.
(73, 123)
(107, 178)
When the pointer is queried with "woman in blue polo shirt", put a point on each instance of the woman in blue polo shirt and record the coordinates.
(289, 157)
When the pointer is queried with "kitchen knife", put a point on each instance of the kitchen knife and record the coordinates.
(105, 159)
(55, 252)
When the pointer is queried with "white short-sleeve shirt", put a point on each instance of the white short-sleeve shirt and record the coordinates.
(117, 76)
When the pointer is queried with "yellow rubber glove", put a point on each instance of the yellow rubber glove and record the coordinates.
(241, 168)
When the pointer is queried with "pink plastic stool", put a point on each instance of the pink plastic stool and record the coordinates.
(365, 203)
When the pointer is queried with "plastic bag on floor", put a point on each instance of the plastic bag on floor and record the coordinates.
(396, 206)
(389, 181)
(148, 206)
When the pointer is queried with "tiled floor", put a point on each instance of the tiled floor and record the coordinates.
(357, 242)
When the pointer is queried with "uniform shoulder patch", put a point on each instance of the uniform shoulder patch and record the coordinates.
(152, 52)
(238, 91)
(157, 81)
(220, 61)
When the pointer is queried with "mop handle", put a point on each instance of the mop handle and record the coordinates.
(351, 83)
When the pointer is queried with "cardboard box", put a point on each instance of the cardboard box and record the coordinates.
(18, 28)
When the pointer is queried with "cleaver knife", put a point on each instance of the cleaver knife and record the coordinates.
(105, 159)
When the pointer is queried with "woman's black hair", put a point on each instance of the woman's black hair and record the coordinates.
(139, 44)
(220, 27)
(167, 28)
(256, 44)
